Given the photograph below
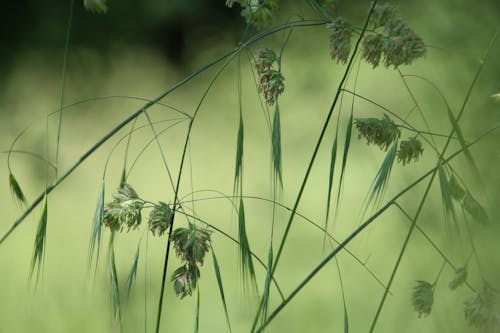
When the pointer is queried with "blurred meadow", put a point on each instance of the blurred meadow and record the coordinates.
(137, 50)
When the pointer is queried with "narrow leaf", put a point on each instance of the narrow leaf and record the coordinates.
(474, 208)
(346, 320)
(245, 253)
(446, 195)
(221, 288)
(113, 278)
(40, 240)
(133, 271)
(347, 143)
(239, 154)
(382, 178)
(197, 310)
(333, 159)
(276, 145)
(15, 188)
(267, 285)
(95, 237)
(461, 140)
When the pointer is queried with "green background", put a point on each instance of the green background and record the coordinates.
(140, 49)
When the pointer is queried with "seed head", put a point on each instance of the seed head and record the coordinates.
(124, 211)
(160, 218)
(191, 243)
(480, 310)
(409, 150)
(381, 132)
(423, 297)
(459, 279)
(185, 279)
(340, 32)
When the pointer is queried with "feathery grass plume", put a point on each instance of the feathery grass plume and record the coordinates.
(382, 178)
(271, 85)
(96, 6)
(191, 243)
(41, 234)
(409, 150)
(474, 208)
(16, 190)
(480, 310)
(459, 278)
(133, 271)
(392, 39)
(276, 145)
(423, 297)
(95, 236)
(456, 190)
(185, 279)
(124, 211)
(448, 206)
(271, 81)
(160, 218)
(245, 252)
(221, 287)
(340, 33)
(382, 14)
(373, 47)
(381, 132)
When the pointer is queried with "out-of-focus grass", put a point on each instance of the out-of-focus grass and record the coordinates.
(69, 300)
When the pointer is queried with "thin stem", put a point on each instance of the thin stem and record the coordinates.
(358, 230)
(63, 79)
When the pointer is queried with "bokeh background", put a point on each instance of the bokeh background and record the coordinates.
(139, 49)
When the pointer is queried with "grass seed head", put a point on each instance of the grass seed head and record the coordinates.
(459, 278)
(423, 297)
(340, 33)
(409, 150)
(381, 132)
(185, 279)
(160, 218)
(191, 243)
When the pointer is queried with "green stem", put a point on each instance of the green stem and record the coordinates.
(358, 230)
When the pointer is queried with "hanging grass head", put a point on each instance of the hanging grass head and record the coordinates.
(423, 297)
(264, 60)
(124, 211)
(392, 39)
(481, 311)
(459, 278)
(340, 33)
(271, 81)
(258, 13)
(409, 150)
(160, 218)
(381, 132)
(185, 279)
(191, 243)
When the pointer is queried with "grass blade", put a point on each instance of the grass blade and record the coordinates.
(239, 154)
(446, 195)
(474, 208)
(347, 144)
(382, 178)
(16, 190)
(221, 288)
(113, 279)
(133, 271)
(40, 239)
(276, 145)
(197, 310)
(245, 253)
(333, 159)
(95, 237)
(461, 140)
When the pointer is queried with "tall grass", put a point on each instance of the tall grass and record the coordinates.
(382, 39)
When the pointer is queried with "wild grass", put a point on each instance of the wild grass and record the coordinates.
(383, 39)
